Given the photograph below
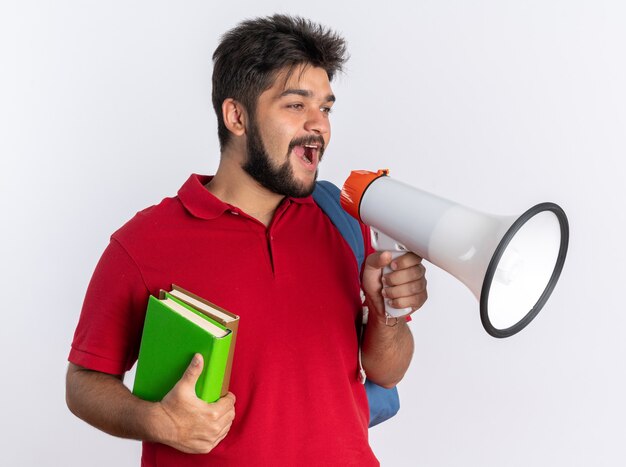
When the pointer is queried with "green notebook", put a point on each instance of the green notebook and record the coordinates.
(172, 334)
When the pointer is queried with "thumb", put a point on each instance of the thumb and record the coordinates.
(371, 280)
(378, 260)
(373, 269)
(193, 371)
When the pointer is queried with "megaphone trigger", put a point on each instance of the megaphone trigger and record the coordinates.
(382, 242)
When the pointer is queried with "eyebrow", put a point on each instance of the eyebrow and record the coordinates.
(305, 93)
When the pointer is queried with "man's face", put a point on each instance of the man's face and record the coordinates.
(290, 131)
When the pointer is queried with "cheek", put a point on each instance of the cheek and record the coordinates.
(277, 140)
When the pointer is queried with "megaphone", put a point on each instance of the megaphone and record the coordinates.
(510, 263)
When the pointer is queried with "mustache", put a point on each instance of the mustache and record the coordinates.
(312, 139)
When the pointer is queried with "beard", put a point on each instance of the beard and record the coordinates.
(280, 178)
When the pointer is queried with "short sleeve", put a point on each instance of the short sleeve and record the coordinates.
(109, 330)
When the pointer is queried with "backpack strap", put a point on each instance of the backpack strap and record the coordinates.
(383, 403)
(327, 197)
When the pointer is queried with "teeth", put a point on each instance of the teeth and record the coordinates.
(310, 146)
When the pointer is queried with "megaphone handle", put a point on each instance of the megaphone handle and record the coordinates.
(389, 310)
(382, 242)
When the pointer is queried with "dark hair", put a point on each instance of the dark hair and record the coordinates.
(249, 57)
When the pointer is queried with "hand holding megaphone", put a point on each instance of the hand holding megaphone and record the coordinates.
(382, 242)
(510, 263)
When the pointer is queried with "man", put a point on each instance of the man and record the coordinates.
(253, 241)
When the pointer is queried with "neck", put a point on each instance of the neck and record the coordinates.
(232, 185)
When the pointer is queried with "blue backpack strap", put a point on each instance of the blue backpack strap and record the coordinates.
(383, 403)
(327, 196)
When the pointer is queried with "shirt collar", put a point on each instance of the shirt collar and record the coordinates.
(201, 203)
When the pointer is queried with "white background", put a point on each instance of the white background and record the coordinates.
(498, 104)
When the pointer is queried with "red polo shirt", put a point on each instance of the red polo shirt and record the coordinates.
(294, 284)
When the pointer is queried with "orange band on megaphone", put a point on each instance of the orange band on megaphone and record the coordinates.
(355, 186)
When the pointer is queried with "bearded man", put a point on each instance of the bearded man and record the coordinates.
(252, 240)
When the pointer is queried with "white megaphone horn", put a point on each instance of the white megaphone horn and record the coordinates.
(510, 263)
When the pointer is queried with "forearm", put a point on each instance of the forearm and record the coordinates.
(104, 402)
(386, 350)
(180, 419)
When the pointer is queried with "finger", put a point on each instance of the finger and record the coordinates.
(224, 403)
(229, 397)
(407, 260)
(403, 276)
(405, 290)
(227, 416)
(412, 301)
(225, 429)
(220, 423)
(223, 406)
(222, 434)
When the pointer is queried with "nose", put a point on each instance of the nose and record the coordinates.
(317, 121)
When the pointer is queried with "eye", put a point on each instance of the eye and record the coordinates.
(326, 110)
(297, 106)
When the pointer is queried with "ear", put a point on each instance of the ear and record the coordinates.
(234, 116)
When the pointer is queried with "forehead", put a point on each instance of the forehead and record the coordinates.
(308, 78)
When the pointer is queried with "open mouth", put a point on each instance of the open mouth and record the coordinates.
(308, 153)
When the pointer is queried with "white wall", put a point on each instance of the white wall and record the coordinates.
(498, 104)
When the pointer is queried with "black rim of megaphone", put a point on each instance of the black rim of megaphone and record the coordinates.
(493, 264)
